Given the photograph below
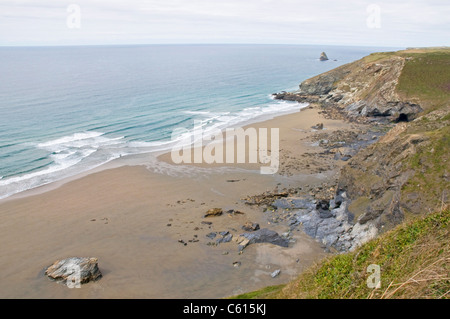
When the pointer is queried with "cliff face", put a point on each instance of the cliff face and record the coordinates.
(363, 89)
(405, 173)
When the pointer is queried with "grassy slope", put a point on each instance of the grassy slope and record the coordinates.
(426, 79)
(414, 260)
(415, 256)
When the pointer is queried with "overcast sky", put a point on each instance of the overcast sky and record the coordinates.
(350, 22)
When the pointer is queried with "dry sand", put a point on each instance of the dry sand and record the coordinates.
(132, 214)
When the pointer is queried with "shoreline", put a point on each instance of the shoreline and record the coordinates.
(135, 159)
(121, 215)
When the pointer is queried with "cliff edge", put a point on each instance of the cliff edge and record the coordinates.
(405, 173)
(375, 87)
(392, 198)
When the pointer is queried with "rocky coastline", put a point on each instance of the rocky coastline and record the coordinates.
(372, 193)
(368, 163)
(361, 91)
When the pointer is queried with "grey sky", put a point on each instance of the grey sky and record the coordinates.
(349, 22)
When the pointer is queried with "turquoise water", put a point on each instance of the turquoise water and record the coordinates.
(65, 110)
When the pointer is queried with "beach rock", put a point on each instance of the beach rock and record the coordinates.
(214, 212)
(323, 57)
(293, 203)
(266, 236)
(323, 204)
(74, 271)
(332, 225)
(249, 226)
(181, 241)
(242, 242)
(324, 214)
(233, 212)
(275, 273)
(224, 239)
(318, 126)
(211, 235)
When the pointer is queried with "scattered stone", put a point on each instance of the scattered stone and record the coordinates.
(76, 270)
(242, 242)
(234, 212)
(264, 199)
(212, 235)
(214, 212)
(237, 264)
(206, 223)
(318, 127)
(225, 239)
(249, 226)
(182, 242)
(275, 273)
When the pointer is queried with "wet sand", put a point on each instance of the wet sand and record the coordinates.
(133, 213)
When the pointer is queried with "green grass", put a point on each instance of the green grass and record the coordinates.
(377, 56)
(430, 165)
(414, 259)
(426, 77)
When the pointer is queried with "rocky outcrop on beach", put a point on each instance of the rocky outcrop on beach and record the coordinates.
(74, 271)
(328, 221)
(364, 90)
(263, 235)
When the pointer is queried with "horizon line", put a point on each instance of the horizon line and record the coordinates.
(205, 43)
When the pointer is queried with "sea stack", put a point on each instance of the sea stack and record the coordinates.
(323, 57)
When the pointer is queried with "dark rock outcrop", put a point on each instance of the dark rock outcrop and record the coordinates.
(266, 236)
(333, 226)
(263, 235)
(376, 178)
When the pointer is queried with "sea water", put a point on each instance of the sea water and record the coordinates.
(66, 110)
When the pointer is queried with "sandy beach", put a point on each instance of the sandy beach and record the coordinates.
(135, 215)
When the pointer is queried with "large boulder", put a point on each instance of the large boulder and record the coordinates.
(74, 271)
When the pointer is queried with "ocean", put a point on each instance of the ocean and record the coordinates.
(67, 110)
